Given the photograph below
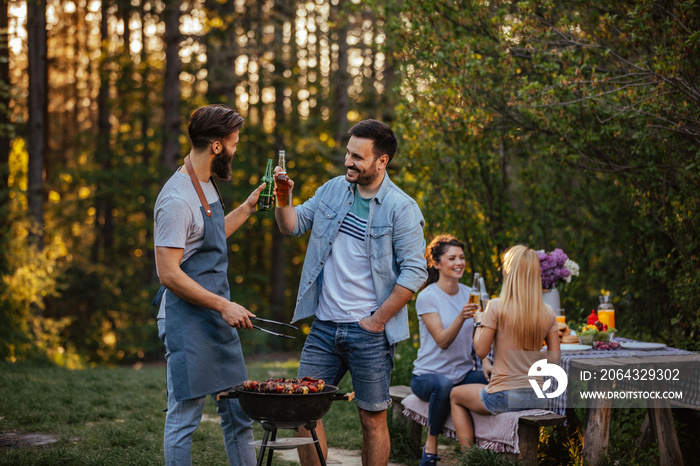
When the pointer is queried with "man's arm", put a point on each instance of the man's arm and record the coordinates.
(178, 282)
(398, 298)
(240, 214)
(286, 218)
(409, 249)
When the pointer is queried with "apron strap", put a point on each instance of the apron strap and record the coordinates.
(197, 186)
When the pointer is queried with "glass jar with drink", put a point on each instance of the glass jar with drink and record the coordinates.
(606, 311)
(475, 294)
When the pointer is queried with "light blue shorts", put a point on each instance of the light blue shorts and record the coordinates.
(332, 349)
(517, 399)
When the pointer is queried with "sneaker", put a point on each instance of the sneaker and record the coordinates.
(429, 459)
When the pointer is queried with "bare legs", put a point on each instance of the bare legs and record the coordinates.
(376, 443)
(463, 399)
(431, 444)
(308, 456)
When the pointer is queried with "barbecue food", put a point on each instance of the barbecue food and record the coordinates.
(288, 386)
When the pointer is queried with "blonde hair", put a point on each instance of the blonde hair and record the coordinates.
(522, 308)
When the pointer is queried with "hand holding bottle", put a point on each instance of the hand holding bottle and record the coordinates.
(254, 199)
(469, 310)
(266, 200)
(475, 292)
(283, 184)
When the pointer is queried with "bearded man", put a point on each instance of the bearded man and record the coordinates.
(364, 261)
(196, 320)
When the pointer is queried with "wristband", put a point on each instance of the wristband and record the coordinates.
(477, 325)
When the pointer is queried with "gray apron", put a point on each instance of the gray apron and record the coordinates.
(205, 352)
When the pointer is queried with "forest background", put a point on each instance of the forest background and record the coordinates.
(557, 124)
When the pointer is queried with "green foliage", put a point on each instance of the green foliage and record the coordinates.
(476, 456)
(626, 425)
(560, 124)
(402, 450)
(406, 351)
(560, 446)
(28, 278)
(554, 124)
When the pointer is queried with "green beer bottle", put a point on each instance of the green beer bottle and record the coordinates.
(266, 199)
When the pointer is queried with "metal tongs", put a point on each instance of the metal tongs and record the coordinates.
(274, 322)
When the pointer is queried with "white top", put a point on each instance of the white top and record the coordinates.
(177, 217)
(455, 361)
(347, 291)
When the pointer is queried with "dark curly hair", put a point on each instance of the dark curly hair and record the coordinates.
(435, 251)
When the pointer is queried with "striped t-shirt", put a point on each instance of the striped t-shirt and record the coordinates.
(347, 291)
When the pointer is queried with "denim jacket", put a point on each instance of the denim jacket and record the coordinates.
(394, 240)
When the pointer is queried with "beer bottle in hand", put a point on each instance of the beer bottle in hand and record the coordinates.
(475, 294)
(284, 188)
(484, 295)
(266, 198)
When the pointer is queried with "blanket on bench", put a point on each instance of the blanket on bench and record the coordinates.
(498, 433)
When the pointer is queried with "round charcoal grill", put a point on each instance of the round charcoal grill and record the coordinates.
(286, 411)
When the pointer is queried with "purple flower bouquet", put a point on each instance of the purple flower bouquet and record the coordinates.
(556, 267)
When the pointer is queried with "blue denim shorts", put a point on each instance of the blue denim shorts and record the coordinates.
(517, 399)
(332, 349)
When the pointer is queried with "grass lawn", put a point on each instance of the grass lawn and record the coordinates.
(106, 416)
(113, 416)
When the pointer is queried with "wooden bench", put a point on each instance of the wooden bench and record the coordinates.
(528, 426)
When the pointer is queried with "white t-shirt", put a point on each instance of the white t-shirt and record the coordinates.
(177, 217)
(455, 361)
(347, 291)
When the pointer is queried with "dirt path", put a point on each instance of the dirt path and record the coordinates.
(15, 439)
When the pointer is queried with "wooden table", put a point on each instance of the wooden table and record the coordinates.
(659, 414)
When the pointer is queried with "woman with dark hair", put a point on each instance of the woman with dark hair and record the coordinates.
(446, 326)
(516, 324)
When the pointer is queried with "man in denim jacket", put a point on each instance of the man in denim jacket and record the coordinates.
(364, 261)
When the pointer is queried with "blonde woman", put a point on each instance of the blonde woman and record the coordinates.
(516, 324)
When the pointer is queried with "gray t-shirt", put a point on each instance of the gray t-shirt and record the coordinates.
(455, 361)
(178, 220)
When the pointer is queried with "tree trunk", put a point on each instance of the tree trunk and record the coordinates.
(36, 126)
(5, 127)
(105, 226)
(170, 156)
(388, 99)
(278, 261)
(144, 109)
(222, 50)
(341, 83)
(144, 116)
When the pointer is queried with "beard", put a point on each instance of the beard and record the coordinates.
(363, 178)
(221, 165)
